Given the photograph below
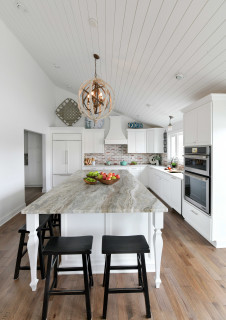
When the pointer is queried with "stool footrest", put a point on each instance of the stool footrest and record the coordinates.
(70, 269)
(66, 292)
(125, 290)
(123, 267)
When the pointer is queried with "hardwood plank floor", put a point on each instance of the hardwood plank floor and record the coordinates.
(193, 282)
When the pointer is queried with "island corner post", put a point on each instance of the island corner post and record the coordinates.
(146, 207)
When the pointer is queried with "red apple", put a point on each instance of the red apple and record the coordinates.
(117, 176)
(113, 174)
(104, 178)
(108, 178)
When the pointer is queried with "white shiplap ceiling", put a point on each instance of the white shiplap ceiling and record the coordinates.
(142, 45)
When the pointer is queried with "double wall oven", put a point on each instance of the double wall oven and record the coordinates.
(197, 176)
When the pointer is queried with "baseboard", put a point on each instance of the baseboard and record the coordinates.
(11, 214)
(34, 186)
(219, 244)
(44, 190)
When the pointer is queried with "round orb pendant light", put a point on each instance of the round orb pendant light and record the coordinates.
(95, 97)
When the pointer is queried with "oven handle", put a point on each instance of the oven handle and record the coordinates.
(196, 157)
(196, 176)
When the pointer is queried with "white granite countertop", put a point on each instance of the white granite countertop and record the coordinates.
(75, 196)
(116, 166)
(127, 167)
(161, 168)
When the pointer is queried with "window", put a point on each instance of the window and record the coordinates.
(175, 143)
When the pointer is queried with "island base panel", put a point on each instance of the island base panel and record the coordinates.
(108, 224)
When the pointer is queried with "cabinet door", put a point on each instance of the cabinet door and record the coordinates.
(204, 121)
(165, 189)
(144, 176)
(59, 157)
(190, 128)
(88, 142)
(150, 178)
(74, 156)
(99, 141)
(140, 142)
(131, 142)
(135, 172)
(175, 194)
(150, 141)
(158, 140)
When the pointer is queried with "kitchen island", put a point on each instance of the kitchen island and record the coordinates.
(124, 208)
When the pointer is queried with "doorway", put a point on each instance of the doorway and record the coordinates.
(33, 175)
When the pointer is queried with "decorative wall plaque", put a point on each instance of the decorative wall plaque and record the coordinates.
(68, 112)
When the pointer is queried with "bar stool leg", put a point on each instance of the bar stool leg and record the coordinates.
(139, 271)
(86, 283)
(90, 271)
(19, 256)
(107, 277)
(50, 228)
(55, 271)
(46, 294)
(104, 272)
(41, 260)
(145, 286)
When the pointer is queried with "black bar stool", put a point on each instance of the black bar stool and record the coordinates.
(68, 245)
(56, 221)
(120, 245)
(45, 224)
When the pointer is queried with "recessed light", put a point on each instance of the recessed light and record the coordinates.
(56, 66)
(179, 76)
(20, 6)
(93, 22)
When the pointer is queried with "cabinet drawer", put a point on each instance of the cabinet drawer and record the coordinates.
(67, 136)
(197, 219)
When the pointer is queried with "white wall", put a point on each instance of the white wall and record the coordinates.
(27, 102)
(33, 171)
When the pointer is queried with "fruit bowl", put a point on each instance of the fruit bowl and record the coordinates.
(90, 182)
(92, 174)
(108, 181)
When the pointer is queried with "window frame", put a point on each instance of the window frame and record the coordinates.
(175, 134)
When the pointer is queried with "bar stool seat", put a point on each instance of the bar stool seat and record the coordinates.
(44, 225)
(61, 246)
(136, 244)
(69, 245)
(124, 244)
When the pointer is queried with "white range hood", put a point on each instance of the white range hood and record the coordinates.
(115, 134)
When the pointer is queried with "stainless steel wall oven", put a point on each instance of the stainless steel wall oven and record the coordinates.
(197, 176)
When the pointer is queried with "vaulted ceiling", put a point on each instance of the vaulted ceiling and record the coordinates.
(142, 45)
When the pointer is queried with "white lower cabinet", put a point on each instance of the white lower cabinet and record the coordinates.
(197, 219)
(140, 173)
(176, 193)
(167, 187)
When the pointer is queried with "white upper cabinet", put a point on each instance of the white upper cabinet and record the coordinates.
(94, 141)
(198, 126)
(204, 121)
(155, 140)
(136, 141)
